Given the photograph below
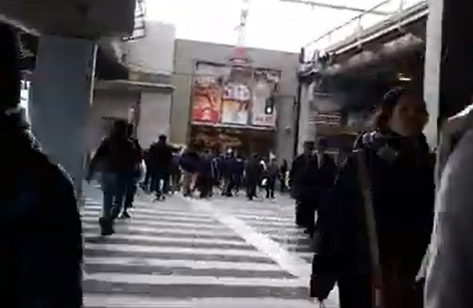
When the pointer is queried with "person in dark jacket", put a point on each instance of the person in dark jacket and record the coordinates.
(272, 175)
(230, 171)
(131, 191)
(116, 157)
(205, 175)
(297, 169)
(40, 229)
(253, 176)
(160, 161)
(283, 176)
(315, 183)
(189, 162)
(399, 169)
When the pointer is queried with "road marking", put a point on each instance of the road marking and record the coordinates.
(152, 230)
(176, 250)
(166, 239)
(136, 216)
(159, 223)
(289, 262)
(191, 264)
(195, 280)
(119, 301)
(151, 210)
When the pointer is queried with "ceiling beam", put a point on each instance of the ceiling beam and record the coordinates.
(340, 7)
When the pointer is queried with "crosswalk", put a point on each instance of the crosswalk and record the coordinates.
(177, 254)
(273, 219)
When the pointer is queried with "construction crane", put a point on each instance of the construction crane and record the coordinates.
(339, 7)
(239, 55)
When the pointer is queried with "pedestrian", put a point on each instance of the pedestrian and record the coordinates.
(117, 158)
(272, 174)
(160, 160)
(136, 175)
(297, 169)
(446, 269)
(40, 229)
(283, 175)
(253, 175)
(205, 176)
(377, 226)
(190, 163)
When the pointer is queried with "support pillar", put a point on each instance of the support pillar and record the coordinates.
(306, 127)
(60, 100)
(448, 81)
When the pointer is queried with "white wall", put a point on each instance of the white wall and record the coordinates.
(154, 118)
(106, 103)
(155, 52)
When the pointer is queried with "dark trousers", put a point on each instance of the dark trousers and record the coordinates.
(160, 182)
(229, 186)
(130, 195)
(251, 188)
(205, 185)
(270, 185)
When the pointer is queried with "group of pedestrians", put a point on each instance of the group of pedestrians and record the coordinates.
(375, 219)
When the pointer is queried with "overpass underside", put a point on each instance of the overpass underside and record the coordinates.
(418, 48)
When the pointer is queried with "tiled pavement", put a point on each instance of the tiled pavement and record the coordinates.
(193, 253)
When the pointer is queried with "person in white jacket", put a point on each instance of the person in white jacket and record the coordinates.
(448, 266)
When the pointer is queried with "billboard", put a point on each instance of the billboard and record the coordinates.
(233, 96)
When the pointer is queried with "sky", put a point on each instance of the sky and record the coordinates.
(271, 24)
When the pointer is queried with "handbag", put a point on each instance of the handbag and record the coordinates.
(365, 186)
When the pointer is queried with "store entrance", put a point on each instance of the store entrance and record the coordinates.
(245, 141)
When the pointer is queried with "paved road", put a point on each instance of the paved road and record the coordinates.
(201, 254)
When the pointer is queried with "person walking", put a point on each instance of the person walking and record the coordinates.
(41, 252)
(376, 229)
(272, 175)
(117, 158)
(160, 160)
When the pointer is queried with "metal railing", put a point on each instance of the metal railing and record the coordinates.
(139, 30)
(355, 26)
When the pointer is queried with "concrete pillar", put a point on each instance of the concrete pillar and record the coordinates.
(448, 81)
(60, 99)
(306, 130)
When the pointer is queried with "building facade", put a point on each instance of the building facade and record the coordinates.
(146, 95)
(188, 54)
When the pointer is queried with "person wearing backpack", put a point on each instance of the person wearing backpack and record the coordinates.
(117, 157)
(376, 226)
(40, 229)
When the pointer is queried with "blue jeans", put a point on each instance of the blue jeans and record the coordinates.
(114, 187)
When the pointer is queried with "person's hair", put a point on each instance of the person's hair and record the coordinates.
(9, 67)
(120, 128)
(162, 138)
(383, 112)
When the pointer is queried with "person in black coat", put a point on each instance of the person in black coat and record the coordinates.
(40, 229)
(253, 175)
(400, 172)
(160, 157)
(295, 177)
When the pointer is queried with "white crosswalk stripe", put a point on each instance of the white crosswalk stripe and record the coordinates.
(171, 255)
(276, 221)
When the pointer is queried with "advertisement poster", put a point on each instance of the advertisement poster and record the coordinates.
(265, 84)
(207, 94)
(236, 103)
(223, 95)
